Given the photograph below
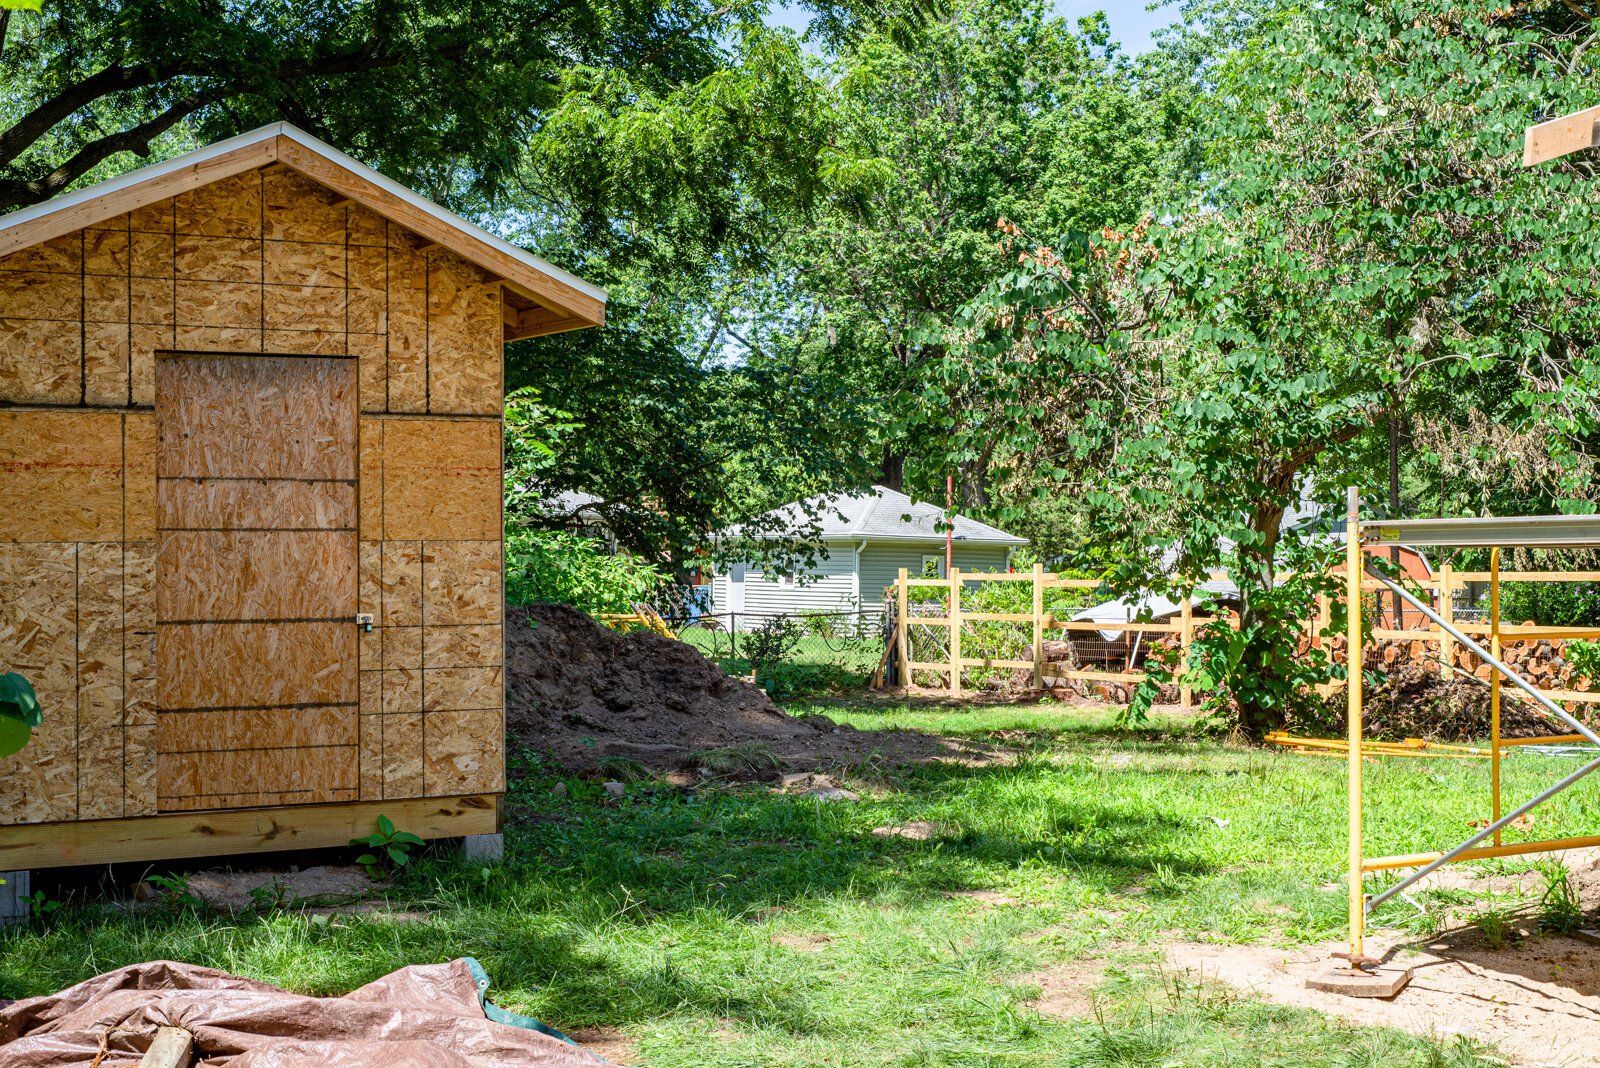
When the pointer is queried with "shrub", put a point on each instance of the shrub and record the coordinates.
(771, 643)
(1551, 604)
(556, 566)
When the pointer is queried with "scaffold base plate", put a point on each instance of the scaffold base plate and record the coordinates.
(1383, 982)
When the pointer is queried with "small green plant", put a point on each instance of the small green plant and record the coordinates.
(176, 888)
(269, 897)
(1559, 910)
(1584, 658)
(40, 905)
(19, 712)
(1498, 927)
(386, 848)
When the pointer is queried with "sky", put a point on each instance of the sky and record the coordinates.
(1131, 24)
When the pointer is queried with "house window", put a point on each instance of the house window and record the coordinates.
(933, 566)
(786, 578)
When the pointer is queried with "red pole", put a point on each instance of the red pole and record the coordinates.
(949, 523)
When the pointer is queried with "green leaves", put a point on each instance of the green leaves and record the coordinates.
(20, 712)
(386, 847)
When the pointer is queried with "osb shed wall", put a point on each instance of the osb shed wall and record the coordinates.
(266, 262)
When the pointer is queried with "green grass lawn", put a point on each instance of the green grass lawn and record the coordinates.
(733, 926)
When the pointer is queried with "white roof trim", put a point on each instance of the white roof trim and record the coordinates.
(321, 148)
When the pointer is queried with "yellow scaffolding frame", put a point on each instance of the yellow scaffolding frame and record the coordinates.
(1493, 534)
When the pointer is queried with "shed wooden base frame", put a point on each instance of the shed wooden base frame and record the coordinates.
(206, 834)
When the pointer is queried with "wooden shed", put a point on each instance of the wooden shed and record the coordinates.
(250, 397)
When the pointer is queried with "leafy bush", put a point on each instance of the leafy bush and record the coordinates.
(771, 643)
(1584, 658)
(559, 567)
(1551, 604)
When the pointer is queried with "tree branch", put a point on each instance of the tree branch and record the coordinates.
(42, 119)
(38, 122)
(17, 192)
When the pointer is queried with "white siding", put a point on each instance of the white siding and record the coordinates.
(828, 586)
(881, 562)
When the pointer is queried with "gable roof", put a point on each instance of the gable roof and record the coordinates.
(540, 298)
(883, 514)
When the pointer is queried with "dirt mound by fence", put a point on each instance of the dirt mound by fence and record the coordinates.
(1414, 701)
(581, 692)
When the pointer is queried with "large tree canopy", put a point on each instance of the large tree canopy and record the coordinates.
(998, 109)
(1367, 248)
(444, 96)
(658, 147)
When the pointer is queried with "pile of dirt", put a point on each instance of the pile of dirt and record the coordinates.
(580, 693)
(1415, 701)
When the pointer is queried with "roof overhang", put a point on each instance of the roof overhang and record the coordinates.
(1534, 532)
(540, 298)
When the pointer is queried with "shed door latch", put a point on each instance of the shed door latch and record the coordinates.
(364, 621)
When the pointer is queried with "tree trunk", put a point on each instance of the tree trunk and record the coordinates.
(892, 469)
(1259, 615)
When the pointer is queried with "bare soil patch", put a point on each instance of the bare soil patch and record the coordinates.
(1065, 992)
(806, 943)
(582, 692)
(607, 1044)
(915, 831)
(1538, 1001)
(239, 891)
(985, 898)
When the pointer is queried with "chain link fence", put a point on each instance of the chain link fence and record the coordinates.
(793, 653)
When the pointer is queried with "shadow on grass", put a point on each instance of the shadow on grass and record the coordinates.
(591, 918)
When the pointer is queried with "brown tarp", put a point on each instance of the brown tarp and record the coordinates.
(424, 1016)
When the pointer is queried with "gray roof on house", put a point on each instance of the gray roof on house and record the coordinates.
(882, 514)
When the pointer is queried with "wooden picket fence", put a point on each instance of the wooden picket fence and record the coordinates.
(1492, 631)
(1043, 624)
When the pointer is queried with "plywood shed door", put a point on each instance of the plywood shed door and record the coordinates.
(257, 685)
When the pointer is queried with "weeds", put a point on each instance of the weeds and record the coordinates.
(1559, 911)
(1498, 926)
(747, 758)
(738, 926)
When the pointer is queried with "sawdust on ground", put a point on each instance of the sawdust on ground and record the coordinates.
(1537, 1001)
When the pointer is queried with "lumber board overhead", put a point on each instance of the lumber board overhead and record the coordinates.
(1537, 531)
(537, 322)
(1561, 137)
(281, 143)
(214, 834)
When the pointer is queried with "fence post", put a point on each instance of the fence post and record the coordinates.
(1447, 605)
(902, 631)
(1320, 640)
(955, 631)
(1038, 626)
(1185, 638)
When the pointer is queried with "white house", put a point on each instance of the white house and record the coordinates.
(867, 537)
